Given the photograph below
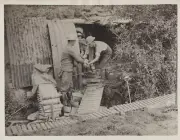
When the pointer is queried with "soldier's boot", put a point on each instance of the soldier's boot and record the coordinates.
(66, 107)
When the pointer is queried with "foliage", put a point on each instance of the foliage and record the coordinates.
(147, 50)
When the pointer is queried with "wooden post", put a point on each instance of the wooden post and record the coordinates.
(128, 91)
(75, 78)
(91, 54)
(80, 76)
(176, 100)
(52, 112)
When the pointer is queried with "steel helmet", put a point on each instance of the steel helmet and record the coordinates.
(90, 39)
(71, 37)
(79, 30)
(79, 34)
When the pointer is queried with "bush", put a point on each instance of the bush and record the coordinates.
(147, 50)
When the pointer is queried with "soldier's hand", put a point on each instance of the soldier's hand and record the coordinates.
(86, 63)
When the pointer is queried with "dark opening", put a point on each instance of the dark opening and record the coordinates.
(101, 33)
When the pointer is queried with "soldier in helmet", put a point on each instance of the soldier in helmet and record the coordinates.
(82, 40)
(103, 52)
(82, 44)
(67, 63)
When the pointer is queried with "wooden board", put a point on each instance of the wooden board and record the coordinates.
(91, 100)
(59, 31)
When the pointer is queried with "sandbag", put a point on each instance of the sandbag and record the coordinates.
(47, 91)
(45, 87)
(56, 106)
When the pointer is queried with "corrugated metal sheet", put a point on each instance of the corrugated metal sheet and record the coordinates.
(59, 31)
(28, 44)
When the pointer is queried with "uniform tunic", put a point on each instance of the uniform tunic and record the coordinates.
(67, 60)
(103, 51)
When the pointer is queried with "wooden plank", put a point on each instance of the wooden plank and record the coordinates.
(97, 114)
(47, 125)
(107, 112)
(24, 128)
(90, 103)
(144, 104)
(72, 121)
(38, 126)
(135, 106)
(18, 127)
(65, 122)
(14, 130)
(61, 123)
(8, 131)
(113, 110)
(102, 112)
(54, 48)
(80, 75)
(122, 108)
(116, 108)
(43, 126)
(55, 124)
(51, 125)
(128, 106)
(92, 116)
(140, 104)
(34, 127)
(86, 117)
(29, 127)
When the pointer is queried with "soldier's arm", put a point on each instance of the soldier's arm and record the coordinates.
(75, 55)
(95, 59)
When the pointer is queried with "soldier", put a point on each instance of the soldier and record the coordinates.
(103, 51)
(82, 44)
(67, 62)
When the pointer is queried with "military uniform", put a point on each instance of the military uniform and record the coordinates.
(67, 63)
(104, 52)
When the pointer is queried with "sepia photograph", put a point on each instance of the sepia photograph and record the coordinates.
(90, 70)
